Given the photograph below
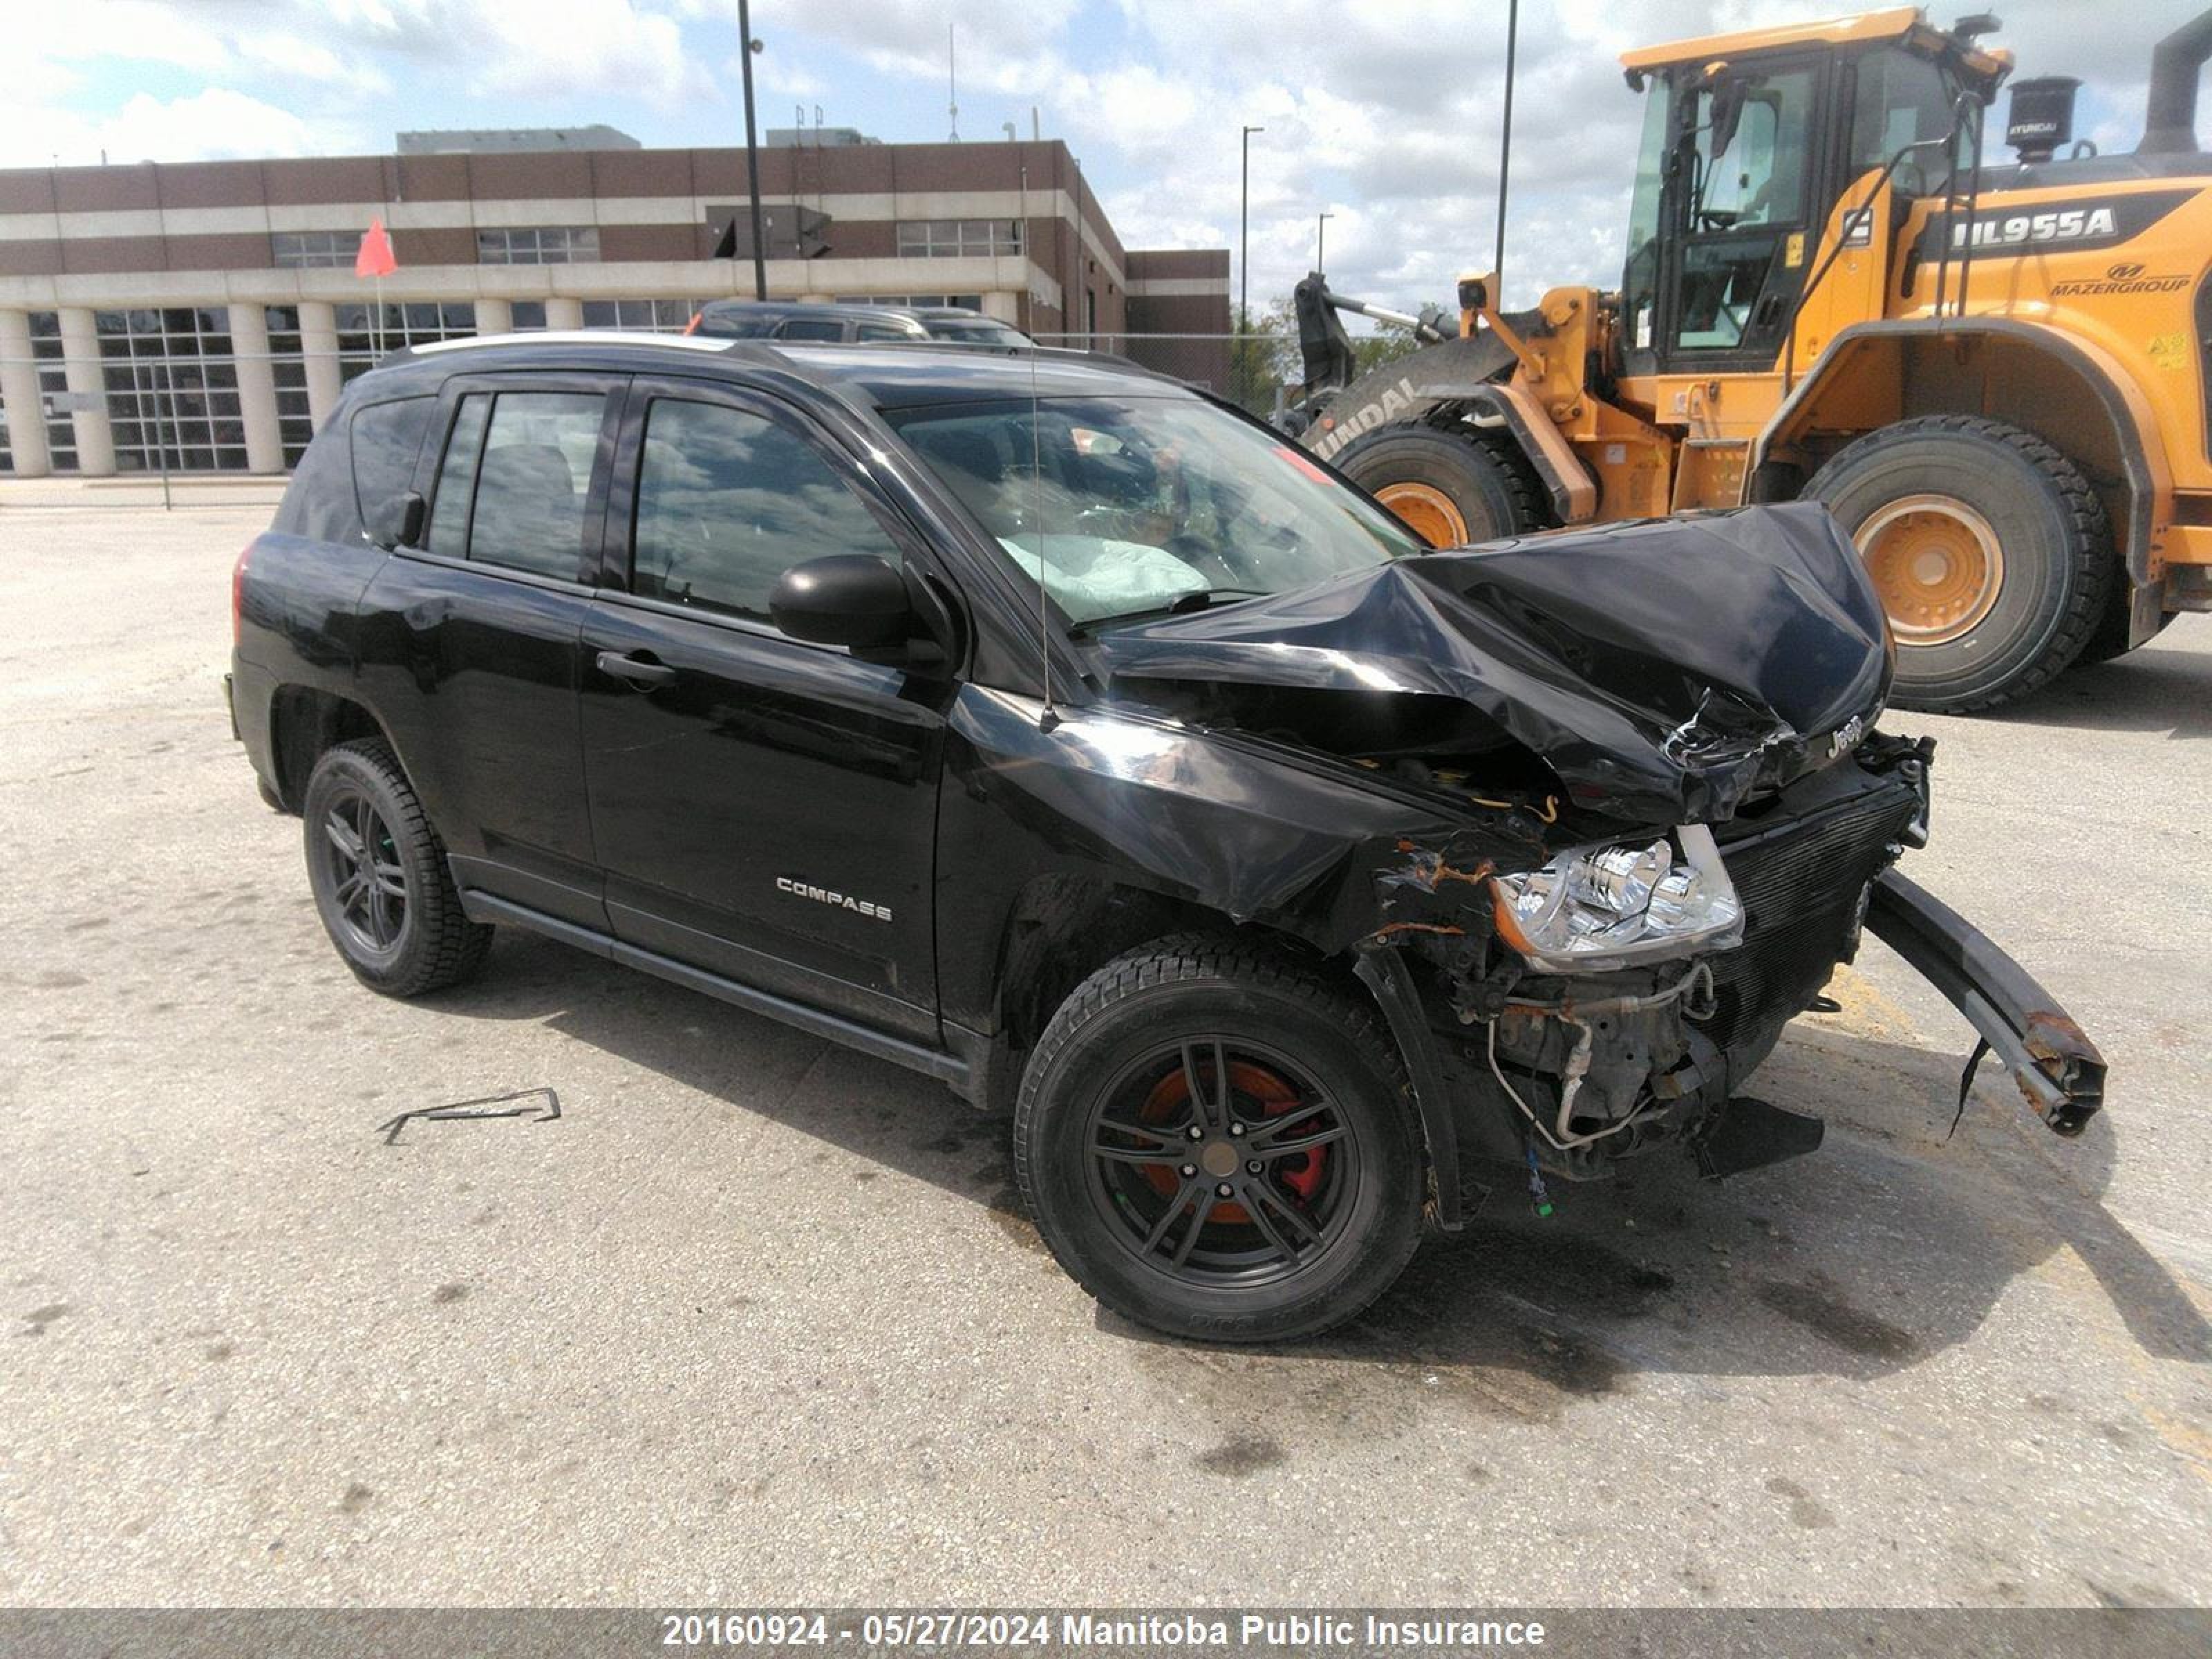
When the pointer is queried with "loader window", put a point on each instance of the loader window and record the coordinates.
(1639, 282)
(1901, 100)
(1749, 151)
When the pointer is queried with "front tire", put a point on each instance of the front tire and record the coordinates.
(1992, 555)
(1216, 1142)
(1449, 490)
(380, 880)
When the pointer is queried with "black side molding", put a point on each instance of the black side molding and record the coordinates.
(2057, 1066)
(949, 1069)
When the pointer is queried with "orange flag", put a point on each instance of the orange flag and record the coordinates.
(374, 258)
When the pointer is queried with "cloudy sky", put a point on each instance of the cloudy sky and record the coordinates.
(1384, 113)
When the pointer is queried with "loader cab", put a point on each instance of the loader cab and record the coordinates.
(1744, 155)
(1732, 182)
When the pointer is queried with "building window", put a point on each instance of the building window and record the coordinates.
(53, 383)
(967, 301)
(954, 238)
(657, 316)
(364, 332)
(539, 244)
(171, 390)
(288, 366)
(314, 250)
(528, 313)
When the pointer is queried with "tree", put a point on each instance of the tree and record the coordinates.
(1263, 355)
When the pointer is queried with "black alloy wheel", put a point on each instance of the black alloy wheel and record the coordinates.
(1221, 1160)
(368, 882)
(1216, 1140)
(382, 883)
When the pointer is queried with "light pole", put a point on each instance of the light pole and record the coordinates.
(1505, 144)
(1244, 262)
(1321, 242)
(1244, 235)
(748, 46)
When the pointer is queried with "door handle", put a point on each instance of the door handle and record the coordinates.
(638, 669)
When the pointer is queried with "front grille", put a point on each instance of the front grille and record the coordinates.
(1799, 881)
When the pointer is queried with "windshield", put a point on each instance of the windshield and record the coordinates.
(1135, 506)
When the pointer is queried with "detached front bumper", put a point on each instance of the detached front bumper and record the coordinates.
(2057, 1066)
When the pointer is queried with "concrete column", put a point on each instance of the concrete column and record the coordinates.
(19, 397)
(495, 317)
(257, 388)
(1006, 306)
(95, 437)
(319, 344)
(564, 313)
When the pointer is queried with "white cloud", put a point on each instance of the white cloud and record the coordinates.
(211, 125)
(1385, 112)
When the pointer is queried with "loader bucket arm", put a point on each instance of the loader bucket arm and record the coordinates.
(1324, 347)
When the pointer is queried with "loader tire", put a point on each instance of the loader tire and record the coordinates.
(1449, 491)
(1991, 554)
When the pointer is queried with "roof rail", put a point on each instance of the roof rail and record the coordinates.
(582, 337)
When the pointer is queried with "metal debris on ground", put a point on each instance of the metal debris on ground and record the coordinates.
(518, 1104)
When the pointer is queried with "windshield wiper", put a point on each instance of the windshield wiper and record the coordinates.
(1182, 605)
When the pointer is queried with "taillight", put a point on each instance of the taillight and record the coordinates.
(237, 595)
(692, 327)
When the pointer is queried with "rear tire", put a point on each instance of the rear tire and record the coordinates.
(381, 883)
(1225, 1236)
(1991, 551)
(1449, 490)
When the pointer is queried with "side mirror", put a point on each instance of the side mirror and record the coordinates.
(852, 599)
(412, 510)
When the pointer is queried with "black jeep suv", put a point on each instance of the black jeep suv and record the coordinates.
(1045, 727)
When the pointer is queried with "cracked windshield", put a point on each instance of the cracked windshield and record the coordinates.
(1129, 509)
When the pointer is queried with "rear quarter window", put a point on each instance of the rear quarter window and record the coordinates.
(350, 486)
(387, 438)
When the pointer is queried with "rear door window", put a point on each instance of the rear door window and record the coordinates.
(516, 475)
(727, 501)
(806, 328)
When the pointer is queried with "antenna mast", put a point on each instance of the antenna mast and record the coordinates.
(1050, 718)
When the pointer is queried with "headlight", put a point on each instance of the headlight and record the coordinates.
(1594, 908)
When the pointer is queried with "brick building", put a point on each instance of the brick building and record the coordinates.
(206, 314)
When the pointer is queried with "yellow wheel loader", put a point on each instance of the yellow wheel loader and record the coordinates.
(1996, 376)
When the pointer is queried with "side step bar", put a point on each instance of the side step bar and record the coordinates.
(2057, 1066)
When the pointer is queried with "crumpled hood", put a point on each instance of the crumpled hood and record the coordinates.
(1663, 669)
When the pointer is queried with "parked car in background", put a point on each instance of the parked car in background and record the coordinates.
(784, 319)
(1052, 729)
(962, 326)
(791, 319)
